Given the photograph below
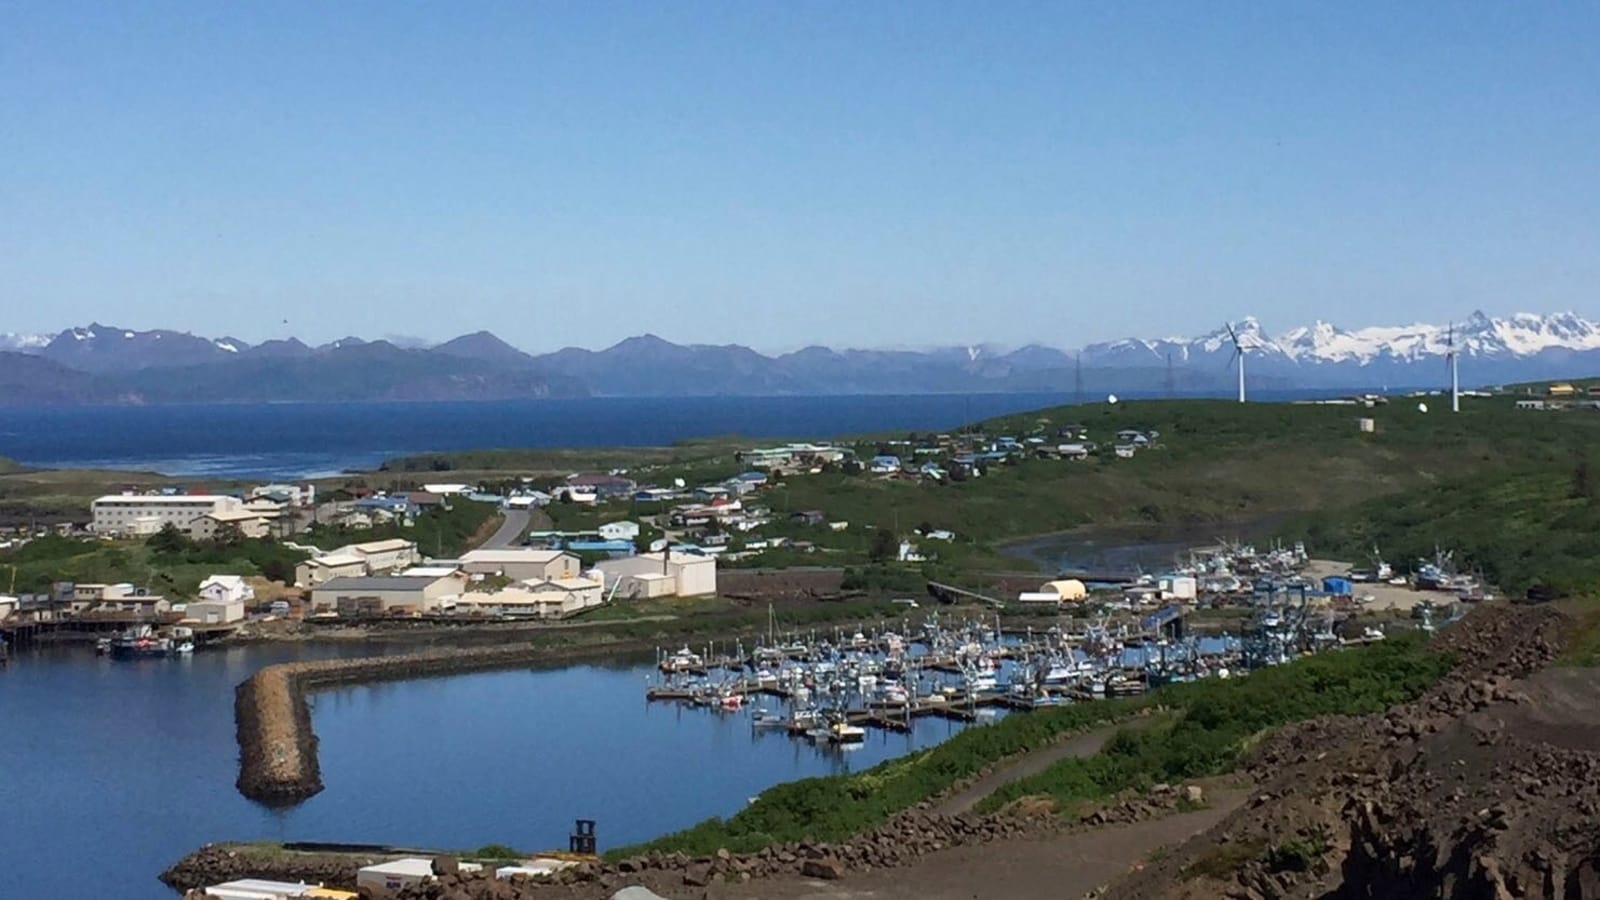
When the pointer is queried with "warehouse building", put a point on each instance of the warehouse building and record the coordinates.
(552, 599)
(661, 575)
(378, 595)
(522, 564)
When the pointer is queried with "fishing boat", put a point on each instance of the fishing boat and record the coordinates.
(766, 719)
(730, 701)
(845, 733)
(140, 641)
(684, 660)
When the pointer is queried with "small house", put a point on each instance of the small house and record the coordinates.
(619, 531)
(808, 517)
(226, 589)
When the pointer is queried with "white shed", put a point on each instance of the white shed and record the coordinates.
(1178, 587)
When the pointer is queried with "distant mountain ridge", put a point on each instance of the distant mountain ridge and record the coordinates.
(101, 363)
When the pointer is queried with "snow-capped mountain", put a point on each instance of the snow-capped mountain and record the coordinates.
(1524, 345)
(23, 343)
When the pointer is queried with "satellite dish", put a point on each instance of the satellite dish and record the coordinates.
(678, 483)
(1111, 398)
(1422, 407)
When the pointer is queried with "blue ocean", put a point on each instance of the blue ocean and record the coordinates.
(306, 440)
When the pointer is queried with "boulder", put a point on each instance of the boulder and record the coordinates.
(826, 868)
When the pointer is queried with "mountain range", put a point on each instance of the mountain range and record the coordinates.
(105, 364)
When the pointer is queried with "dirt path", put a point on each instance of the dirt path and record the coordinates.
(1087, 744)
(1065, 866)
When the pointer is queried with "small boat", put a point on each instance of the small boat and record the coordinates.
(183, 648)
(682, 661)
(730, 701)
(766, 719)
(845, 733)
(102, 646)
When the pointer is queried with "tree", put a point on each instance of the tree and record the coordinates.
(279, 570)
(1581, 487)
(884, 546)
(168, 540)
(228, 535)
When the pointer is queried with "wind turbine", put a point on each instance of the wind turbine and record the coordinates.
(1450, 358)
(1238, 356)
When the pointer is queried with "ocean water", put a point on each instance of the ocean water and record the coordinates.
(303, 440)
(111, 770)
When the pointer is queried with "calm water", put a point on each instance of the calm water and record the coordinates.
(133, 762)
(300, 440)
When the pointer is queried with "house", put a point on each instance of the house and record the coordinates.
(753, 479)
(386, 556)
(249, 524)
(448, 490)
(138, 604)
(567, 493)
(528, 500)
(619, 531)
(884, 465)
(710, 493)
(808, 517)
(908, 552)
(682, 575)
(603, 487)
(1561, 390)
(1531, 404)
(226, 589)
(1126, 451)
(327, 567)
(521, 564)
(286, 494)
(387, 594)
(654, 495)
(1134, 437)
(424, 500)
(397, 506)
(550, 599)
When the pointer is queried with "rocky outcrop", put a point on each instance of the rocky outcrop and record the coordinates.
(217, 863)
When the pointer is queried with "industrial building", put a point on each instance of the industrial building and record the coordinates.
(661, 575)
(1062, 590)
(521, 564)
(551, 599)
(354, 560)
(127, 515)
(376, 595)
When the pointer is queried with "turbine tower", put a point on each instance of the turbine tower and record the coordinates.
(1450, 357)
(1238, 357)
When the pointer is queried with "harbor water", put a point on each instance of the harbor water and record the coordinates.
(110, 770)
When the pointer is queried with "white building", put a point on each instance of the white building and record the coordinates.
(638, 577)
(226, 589)
(1178, 587)
(327, 567)
(214, 612)
(401, 873)
(131, 514)
(619, 531)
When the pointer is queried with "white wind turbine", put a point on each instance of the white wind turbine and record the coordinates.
(1450, 359)
(1238, 356)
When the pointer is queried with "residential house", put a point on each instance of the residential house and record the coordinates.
(1562, 390)
(528, 499)
(209, 526)
(393, 504)
(426, 500)
(752, 479)
(654, 495)
(1531, 404)
(226, 589)
(448, 490)
(603, 486)
(619, 531)
(1126, 451)
(808, 517)
(884, 465)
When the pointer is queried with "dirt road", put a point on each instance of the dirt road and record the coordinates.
(1087, 744)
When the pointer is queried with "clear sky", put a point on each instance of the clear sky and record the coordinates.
(776, 174)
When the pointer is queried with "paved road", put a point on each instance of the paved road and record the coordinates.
(511, 531)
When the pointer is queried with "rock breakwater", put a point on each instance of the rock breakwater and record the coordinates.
(277, 746)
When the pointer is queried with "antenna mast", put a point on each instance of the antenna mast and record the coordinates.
(1455, 380)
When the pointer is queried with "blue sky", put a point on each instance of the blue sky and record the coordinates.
(776, 174)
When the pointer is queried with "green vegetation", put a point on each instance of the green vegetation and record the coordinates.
(168, 567)
(1219, 718)
(445, 531)
(495, 852)
(1535, 527)
(1214, 720)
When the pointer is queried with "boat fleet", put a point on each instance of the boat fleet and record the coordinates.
(144, 641)
(830, 686)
